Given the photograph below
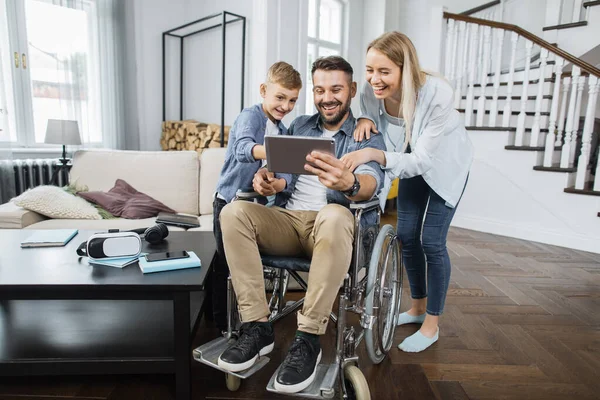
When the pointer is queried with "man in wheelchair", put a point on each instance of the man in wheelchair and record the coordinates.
(311, 219)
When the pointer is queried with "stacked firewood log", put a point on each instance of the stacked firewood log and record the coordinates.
(191, 135)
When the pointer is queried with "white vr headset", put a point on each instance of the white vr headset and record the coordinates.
(102, 246)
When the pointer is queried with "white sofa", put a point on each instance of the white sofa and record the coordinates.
(181, 180)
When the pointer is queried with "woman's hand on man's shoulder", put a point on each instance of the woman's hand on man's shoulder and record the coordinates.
(363, 129)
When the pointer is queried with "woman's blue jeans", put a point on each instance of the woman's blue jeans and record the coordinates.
(424, 242)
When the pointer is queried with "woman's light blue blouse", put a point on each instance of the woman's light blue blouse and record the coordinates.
(441, 150)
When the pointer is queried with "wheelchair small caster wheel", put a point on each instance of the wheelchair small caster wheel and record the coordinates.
(232, 382)
(357, 387)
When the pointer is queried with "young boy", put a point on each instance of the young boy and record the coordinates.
(243, 158)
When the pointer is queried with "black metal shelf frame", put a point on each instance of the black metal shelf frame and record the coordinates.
(223, 24)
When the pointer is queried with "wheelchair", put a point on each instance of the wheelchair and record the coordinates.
(372, 289)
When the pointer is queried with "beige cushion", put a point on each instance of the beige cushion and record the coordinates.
(101, 225)
(170, 177)
(54, 202)
(206, 223)
(211, 163)
(14, 217)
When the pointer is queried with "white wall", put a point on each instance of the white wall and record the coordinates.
(506, 196)
(202, 89)
(276, 30)
(422, 21)
(459, 6)
(579, 40)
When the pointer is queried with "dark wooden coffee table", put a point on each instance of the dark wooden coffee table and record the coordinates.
(61, 316)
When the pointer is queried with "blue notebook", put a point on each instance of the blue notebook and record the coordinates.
(120, 262)
(169, 265)
(49, 238)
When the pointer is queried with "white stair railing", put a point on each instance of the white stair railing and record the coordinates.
(499, 36)
(586, 140)
(580, 88)
(563, 110)
(483, 75)
(472, 72)
(535, 129)
(566, 149)
(552, 128)
(524, 94)
(549, 109)
(514, 38)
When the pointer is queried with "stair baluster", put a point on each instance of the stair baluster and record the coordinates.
(597, 175)
(552, 130)
(521, 120)
(499, 35)
(574, 135)
(449, 40)
(472, 74)
(566, 149)
(480, 53)
(462, 62)
(514, 38)
(583, 165)
(483, 76)
(535, 129)
(563, 111)
(454, 58)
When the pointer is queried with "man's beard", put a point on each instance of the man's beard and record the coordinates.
(339, 116)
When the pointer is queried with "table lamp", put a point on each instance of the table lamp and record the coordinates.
(63, 132)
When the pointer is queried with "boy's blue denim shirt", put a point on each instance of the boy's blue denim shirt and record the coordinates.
(307, 125)
(247, 131)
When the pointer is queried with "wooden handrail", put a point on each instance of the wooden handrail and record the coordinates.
(481, 7)
(528, 35)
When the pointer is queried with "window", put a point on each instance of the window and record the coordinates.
(325, 33)
(53, 69)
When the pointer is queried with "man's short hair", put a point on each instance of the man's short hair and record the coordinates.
(285, 75)
(333, 63)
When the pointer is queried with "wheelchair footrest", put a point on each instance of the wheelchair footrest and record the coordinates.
(209, 354)
(323, 387)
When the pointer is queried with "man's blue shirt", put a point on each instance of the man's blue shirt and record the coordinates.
(311, 125)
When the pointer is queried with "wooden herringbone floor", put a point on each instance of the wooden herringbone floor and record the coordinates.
(522, 321)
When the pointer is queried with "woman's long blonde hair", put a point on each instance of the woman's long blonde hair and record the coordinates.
(397, 47)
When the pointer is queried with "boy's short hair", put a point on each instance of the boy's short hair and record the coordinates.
(285, 75)
(332, 63)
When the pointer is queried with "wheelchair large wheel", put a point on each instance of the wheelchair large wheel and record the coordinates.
(356, 384)
(383, 293)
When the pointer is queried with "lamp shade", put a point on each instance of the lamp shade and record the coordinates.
(60, 131)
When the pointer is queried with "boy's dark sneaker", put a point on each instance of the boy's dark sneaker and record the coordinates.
(299, 368)
(256, 339)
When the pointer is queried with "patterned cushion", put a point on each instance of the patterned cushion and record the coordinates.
(54, 202)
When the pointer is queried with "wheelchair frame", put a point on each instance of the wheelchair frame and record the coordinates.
(353, 296)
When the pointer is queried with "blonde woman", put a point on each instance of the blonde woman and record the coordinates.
(429, 150)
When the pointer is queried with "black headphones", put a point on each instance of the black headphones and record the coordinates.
(153, 235)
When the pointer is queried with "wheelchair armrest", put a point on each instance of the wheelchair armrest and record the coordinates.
(247, 194)
(365, 205)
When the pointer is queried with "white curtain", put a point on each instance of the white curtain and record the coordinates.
(4, 135)
(86, 70)
(4, 83)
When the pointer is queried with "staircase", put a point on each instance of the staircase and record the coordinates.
(530, 108)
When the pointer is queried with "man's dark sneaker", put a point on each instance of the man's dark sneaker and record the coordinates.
(299, 368)
(256, 338)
